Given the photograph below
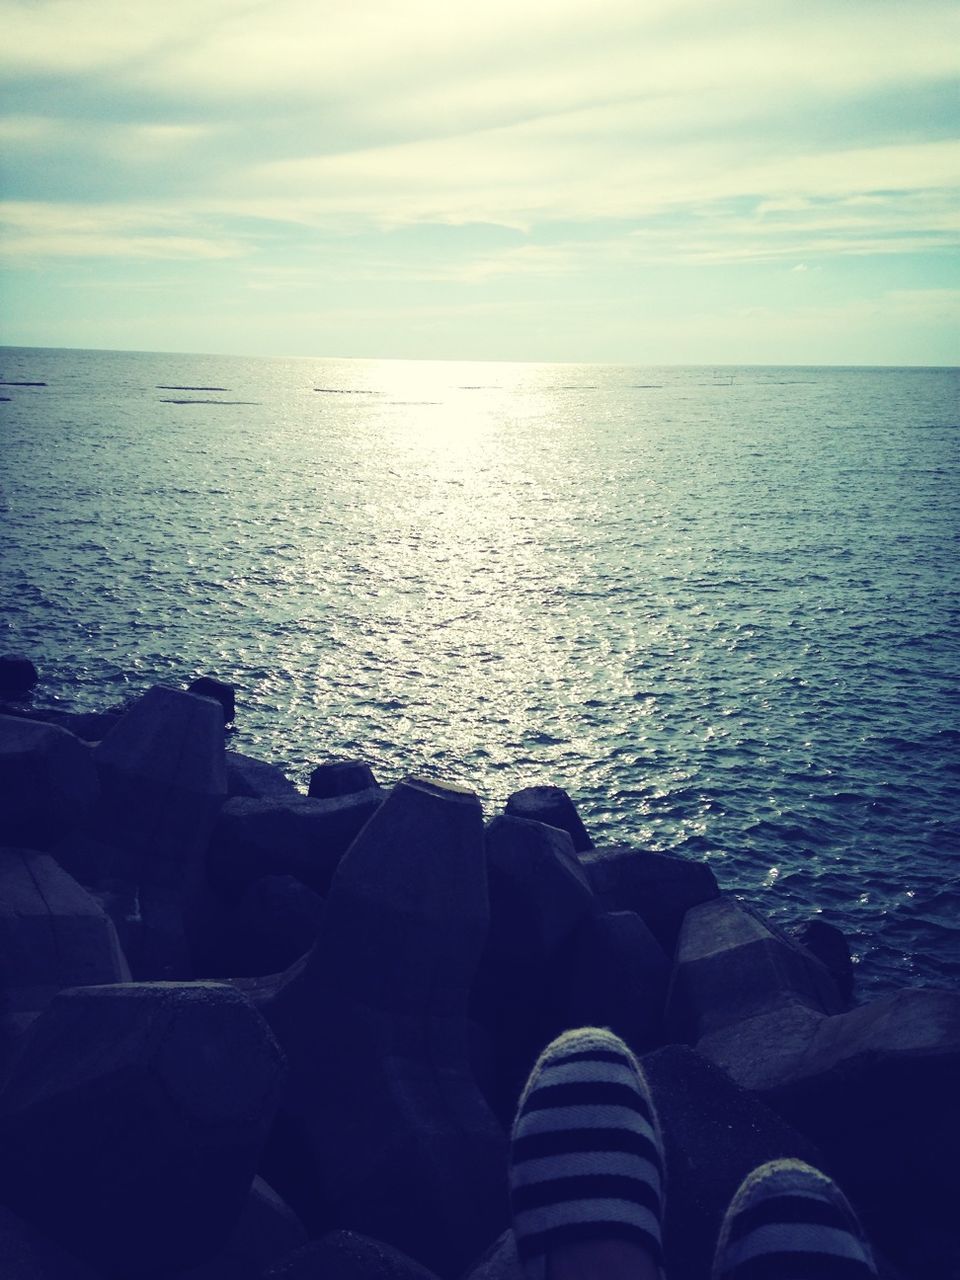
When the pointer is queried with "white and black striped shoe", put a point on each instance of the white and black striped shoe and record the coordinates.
(586, 1159)
(788, 1221)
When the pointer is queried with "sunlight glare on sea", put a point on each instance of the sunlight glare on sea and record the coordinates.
(719, 606)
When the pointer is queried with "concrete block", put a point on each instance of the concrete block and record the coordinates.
(714, 1134)
(163, 781)
(876, 1089)
(552, 806)
(285, 835)
(657, 886)
(384, 1130)
(340, 778)
(26, 1255)
(48, 783)
(53, 934)
(731, 964)
(17, 675)
(539, 896)
(133, 1121)
(346, 1255)
(618, 979)
(256, 778)
(267, 1232)
(219, 691)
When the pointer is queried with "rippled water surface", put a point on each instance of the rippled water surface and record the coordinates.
(719, 606)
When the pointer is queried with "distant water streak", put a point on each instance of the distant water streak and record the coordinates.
(720, 606)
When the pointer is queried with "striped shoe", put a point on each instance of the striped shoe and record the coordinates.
(788, 1221)
(586, 1158)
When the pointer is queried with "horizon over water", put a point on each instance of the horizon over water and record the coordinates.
(718, 604)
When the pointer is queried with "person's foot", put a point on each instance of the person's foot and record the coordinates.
(586, 1160)
(788, 1221)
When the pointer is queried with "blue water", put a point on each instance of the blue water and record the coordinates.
(719, 606)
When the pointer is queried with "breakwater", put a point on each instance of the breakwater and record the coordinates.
(250, 1032)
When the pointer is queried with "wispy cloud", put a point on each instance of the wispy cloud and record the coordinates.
(36, 231)
(623, 134)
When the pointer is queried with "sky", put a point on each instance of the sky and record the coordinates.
(626, 181)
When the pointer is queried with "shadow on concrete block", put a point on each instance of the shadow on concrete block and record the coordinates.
(539, 896)
(162, 780)
(133, 1122)
(384, 1130)
(657, 886)
(53, 934)
(346, 1255)
(268, 1230)
(619, 979)
(48, 783)
(285, 835)
(25, 1254)
(550, 805)
(714, 1134)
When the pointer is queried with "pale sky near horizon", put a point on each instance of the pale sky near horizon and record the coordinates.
(659, 181)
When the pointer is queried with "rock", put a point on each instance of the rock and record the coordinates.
(53, 934)
(17, 674)
(340, 778)
(163, 781)
(48, 783)
(285, 835)
(26, 1255)
(345, 1255)
(830, 947)
(714, 1134)
(276, 922)
(619, 979)
(554, 807)
(132, 1123)
(255, 778)
(268, 1230)
(219, 691)
(384, 1130)
(658, 886)
(539, 895)
(731, 965)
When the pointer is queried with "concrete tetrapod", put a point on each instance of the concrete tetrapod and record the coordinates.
(552, 806)
(345, 1255)
(539, 896)
(285, 835)
(247, 776)
(732, 964)
(658, 886)
(876, 1089)
(53, 934)
(48, 783)
(383, 1121)
(163, 780)
(133, 1120)
(266, 1232)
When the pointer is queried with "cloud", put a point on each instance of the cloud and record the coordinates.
(390, 145)
(36, 231)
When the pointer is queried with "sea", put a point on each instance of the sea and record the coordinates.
(719, 606)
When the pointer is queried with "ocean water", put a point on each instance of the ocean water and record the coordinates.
(718, 605)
